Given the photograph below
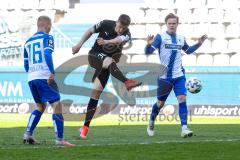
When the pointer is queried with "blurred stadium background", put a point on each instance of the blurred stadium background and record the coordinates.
(216, 63)
(217, 18)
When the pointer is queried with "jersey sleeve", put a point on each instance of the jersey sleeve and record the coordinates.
(48, 50)
(26, 63)
(190, 49)
(48, 43)
(126, 36)
(99, 26)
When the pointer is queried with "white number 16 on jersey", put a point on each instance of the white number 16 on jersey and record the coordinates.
(35, 52)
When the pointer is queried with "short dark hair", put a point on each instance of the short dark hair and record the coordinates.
(124, 19)
(171, 15)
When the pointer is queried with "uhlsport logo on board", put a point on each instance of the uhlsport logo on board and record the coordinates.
(23, 108)
(14, 108)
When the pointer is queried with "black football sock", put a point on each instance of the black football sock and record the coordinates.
(115, 72)
(91, 109)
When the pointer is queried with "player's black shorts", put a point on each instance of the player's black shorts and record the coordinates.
(96, 61)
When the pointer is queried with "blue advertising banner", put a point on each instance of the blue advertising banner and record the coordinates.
(221, 86)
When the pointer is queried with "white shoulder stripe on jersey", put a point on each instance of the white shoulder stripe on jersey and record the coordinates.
(153, 47)
(37, 35)
(48, 48)
(124, 38)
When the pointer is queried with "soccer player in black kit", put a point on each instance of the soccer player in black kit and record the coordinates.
(103, 56)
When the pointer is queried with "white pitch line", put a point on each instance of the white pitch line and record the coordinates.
(122, 144)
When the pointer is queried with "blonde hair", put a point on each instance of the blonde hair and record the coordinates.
(43, 19)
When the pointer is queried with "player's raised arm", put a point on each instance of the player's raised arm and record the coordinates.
(202, 39)
(85, 37)
(190, 49)
(152, 43)
(26, 63)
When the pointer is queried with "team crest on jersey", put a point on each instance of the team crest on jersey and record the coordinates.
(50, 43)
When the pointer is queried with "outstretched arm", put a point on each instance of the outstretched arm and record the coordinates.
(153, 43)
(190, 49)
(85, 37)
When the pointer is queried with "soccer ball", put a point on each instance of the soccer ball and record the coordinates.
(193, 85)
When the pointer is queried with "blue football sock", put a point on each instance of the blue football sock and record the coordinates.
(58, 123)
(155, 111)
(33, 121)
(183, 113)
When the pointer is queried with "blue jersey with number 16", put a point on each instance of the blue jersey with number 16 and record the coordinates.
(38, 56)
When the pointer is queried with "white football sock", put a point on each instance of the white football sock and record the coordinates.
(184, 127)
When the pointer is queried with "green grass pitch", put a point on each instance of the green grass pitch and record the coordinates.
(215, 139)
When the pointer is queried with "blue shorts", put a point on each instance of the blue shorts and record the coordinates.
(42, 92)
(165, 86)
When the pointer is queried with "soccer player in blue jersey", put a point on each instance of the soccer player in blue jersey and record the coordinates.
(38, 63)
(169, 45)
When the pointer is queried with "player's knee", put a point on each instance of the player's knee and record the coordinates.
(107, 61)
(57, 108)
(181, 98)
(97, 85)
(96, 94)
(160, 104)
(41, 107)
